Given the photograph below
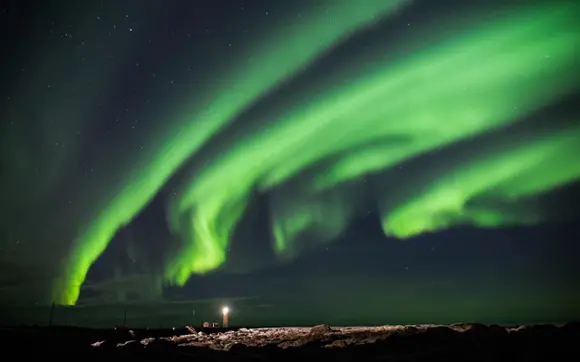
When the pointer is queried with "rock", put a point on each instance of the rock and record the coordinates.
(400, 343)
(228, 346)
(339, 343)
(196, 344)
(293, 344)
(184, 338)
(126, 343)
(440, 334)
(223, 337)
(161, 345)
(237, 347)
(408, 331)
(320, 329)
(131, 346)
(146, 341)
(98, 344)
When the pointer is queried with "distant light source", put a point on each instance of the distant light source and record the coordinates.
(225, 312)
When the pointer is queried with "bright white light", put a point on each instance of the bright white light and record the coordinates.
(225, 310)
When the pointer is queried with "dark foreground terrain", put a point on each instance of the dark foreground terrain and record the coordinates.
(460, 342)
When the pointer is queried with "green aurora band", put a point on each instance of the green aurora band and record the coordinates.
(387, 106)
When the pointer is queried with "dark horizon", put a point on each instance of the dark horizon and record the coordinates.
(442, 295)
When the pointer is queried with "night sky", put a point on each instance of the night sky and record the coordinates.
(337, 161)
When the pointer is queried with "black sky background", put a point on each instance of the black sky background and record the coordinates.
(503, 275)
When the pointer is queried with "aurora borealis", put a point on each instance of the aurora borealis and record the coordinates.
(430, 117)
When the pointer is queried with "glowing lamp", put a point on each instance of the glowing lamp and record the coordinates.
(225, 312)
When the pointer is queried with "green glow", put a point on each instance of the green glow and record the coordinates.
(433, 98)
(263, 68)
(370, 118)
(322, 216)
(511, 172)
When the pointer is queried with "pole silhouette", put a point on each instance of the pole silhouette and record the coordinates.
(51, 314)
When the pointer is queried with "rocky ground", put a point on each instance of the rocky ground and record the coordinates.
(460, 342)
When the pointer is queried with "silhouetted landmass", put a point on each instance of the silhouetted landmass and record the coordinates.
(459, 342)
